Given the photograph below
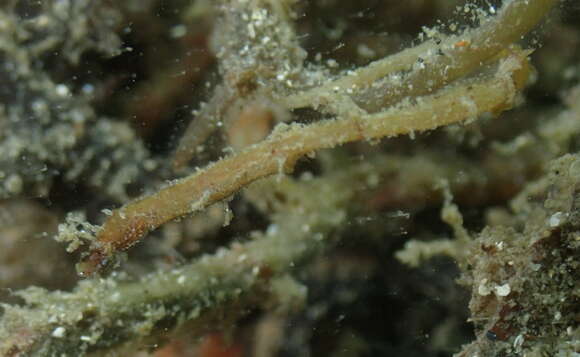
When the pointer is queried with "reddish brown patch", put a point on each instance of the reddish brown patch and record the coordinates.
(265, 272)
(214, 345)
(503, 329)
(93, 263)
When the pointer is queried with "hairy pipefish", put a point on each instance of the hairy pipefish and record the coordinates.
(440, 97)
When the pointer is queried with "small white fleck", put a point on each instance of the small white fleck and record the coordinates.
(85, 338)
(150, 165)
(58, 332)
(483, 288)
(519, 341)
(331, 63)
(181, 280)
(556, 219)
(365, 51)
(272, 230)
(178, 31)
(242, 258)
(502, 290)
(62, 90)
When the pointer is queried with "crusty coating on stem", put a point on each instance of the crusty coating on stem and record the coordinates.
(464, 100)
(439, 64)
(416, 71)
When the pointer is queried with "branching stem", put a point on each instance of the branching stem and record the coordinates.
(278, 153)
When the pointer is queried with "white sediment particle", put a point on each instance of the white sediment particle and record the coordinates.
(272, 230)
(365, 51)
(62, 90)
(228, 215)
(556, 219)
(483, 288)
(502, 290)
(58, 332)
(178, 31)
(519, 341)
(149, 165)
(181, 280)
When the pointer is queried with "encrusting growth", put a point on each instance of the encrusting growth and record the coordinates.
(493, 90)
